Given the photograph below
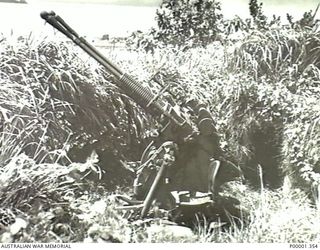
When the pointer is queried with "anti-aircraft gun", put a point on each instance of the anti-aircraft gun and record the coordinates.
(183, 168)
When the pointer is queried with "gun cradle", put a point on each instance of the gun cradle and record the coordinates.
(186, 163)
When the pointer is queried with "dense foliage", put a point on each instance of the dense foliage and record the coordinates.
(257, 14)
(193, 22)
(66, 129)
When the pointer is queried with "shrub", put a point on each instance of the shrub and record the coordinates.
(194, 22)
(257, 14)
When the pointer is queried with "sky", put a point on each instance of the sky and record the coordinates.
(119, 2)
(157, 2)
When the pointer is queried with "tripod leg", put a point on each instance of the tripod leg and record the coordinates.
(213, 171)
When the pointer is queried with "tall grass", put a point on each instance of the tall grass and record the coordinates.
(57, 107)
(271, 52)
(284, 215)
(55, 104)
(282, 91)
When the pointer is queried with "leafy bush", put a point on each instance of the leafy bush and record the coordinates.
(143, 41)
(301, 139)
(193, 22)
(257, 14)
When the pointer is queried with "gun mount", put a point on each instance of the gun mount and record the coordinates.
(188, 162)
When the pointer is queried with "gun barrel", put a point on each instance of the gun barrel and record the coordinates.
(57, 22)
(142, 95)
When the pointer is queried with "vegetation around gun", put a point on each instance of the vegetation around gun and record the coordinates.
(66, 130)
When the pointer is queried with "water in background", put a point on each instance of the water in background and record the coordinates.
(95, 20)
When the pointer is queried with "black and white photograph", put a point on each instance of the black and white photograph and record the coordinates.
(159, 121)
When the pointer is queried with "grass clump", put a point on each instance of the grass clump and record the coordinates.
(279, 216)
(271, 52)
